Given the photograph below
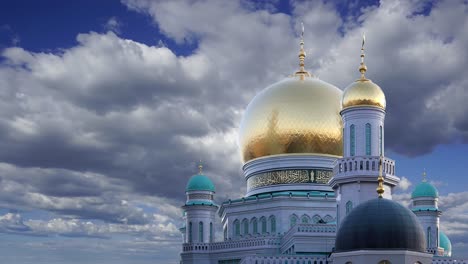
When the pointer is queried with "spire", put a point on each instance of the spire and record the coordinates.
(363, 67)
(424, 176)
(302, 54)
(380, 179)
(200, 168)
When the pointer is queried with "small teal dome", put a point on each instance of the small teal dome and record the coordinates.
(444, 242)
(200, 182)
(425, 189)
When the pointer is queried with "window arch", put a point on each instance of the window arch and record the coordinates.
(349, 207)
(273, 224)
(352, 140)
(211, 232)
(380, 141)
(328, 218)
(263, 222)
(200, 232)
(304, 219)
(190, 232)
(316, 219)
(429, 237)
(245, 226)
(293, 220)
(237, 227)
(368, 139)
(254, 226)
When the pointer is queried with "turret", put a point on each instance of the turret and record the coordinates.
(199, 209)
(363, 118)
(424, 199)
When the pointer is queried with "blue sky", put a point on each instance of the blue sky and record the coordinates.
(106, 107)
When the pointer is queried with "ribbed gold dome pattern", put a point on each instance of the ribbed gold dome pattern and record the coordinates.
(363, 92)
(295, 116)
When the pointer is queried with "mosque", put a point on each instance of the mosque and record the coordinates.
(319, 186)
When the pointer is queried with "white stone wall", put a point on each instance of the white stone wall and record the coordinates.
(196, 214)
(360, 116)
(282, 208)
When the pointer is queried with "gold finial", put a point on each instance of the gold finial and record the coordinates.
(200, 168)
(380, 179)
(302, 54)
(363, 67)
(424, 175)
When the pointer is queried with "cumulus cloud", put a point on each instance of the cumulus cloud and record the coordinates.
(404, 184)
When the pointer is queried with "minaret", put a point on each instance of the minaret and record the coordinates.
(363, 119)
(424, 200)
(199, 209)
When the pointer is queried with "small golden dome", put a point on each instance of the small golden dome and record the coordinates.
(298, 115)
(363, 92)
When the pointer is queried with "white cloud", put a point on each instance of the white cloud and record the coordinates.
(404, 184)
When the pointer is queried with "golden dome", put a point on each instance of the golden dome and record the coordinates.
(363, 92)
(297, 115)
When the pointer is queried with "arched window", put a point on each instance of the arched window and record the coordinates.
(373, 165)
(350, 166)
(200, 232)
(245, 224)
(263, 221)
(345, 167)
(349, 207)
(316, 219)
(305, 219)
(367, 165)
(190, 232)
(368, 139)
(211, 232)
(355, 165)
(293, 220)
(237, 227)
(254, 226)
(429, 237)
(352, 141)
(361, 165)
(273, 224)
(380, 141)
(225, 233)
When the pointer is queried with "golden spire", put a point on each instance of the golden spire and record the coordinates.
(424, 175)
(380, 179)
(363, 67)
(302, 54)
(200, 168)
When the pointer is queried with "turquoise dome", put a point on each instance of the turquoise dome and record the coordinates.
(200, 182)
(425, 189)
(444, 242)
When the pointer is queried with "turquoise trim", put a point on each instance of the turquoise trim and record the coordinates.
(200, 203)
(200, 182)
(283, 194)
(425, 189)
(420, 209)
(444, 242)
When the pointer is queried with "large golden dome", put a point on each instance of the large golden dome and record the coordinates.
(363, 92)
(295, 116)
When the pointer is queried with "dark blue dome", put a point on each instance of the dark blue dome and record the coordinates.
(380, 224)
